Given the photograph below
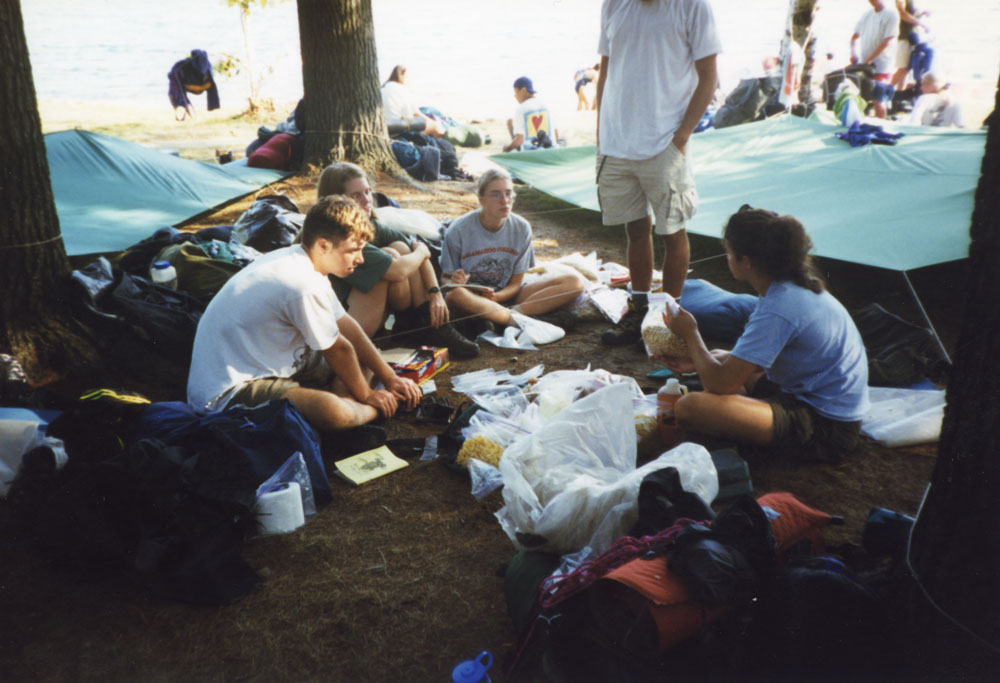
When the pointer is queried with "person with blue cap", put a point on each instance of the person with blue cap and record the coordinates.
(531, 127)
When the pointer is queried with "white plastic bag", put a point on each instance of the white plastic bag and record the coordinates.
(903, 417)
(505, 400)
(537, 331)
(18, 437)
(410, 221)
(696, 469)
(612, 302)
(565, 481)
(556, 390)
(485, 478)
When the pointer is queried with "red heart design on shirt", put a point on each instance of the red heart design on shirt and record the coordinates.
(536, 121)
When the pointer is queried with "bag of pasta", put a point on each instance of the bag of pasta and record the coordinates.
(656, 336)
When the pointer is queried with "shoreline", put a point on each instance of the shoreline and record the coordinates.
(227, 129)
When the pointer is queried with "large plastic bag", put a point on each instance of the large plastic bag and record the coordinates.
(903, 417)
(573, 482)
(556, 390)
(696, 468)
(562, 482)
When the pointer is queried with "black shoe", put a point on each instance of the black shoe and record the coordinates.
(344, 443)
(473, 327)
(629, 328)
(562, 317)
(406, 322)
(447, 336)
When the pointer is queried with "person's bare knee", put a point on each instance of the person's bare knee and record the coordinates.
(640, 229)
(688, 408)
(328, 411)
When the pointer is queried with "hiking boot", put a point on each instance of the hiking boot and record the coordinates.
(414, 324)
(562, 317)
(406, 322)
(447, 336)
(629, 328)
(473, 327)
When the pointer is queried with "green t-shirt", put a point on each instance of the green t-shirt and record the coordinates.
(375, 264)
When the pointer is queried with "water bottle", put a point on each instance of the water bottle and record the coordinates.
(162, 273)
(473, 670)
(671, 433)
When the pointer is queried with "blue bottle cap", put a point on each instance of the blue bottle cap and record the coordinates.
(473, 670)
(161, 264)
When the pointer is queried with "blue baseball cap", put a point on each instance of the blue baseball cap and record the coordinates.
(525, 82)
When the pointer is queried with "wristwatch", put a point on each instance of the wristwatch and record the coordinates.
(434, 290)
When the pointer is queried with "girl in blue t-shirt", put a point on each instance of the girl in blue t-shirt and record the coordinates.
(797, 378)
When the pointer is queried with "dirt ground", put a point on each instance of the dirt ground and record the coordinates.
(401, 578)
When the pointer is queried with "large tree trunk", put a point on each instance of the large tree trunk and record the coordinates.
(32, 255)
(343, 102)
(956, 542)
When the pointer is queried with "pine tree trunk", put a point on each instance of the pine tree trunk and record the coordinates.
(956, 546)
(343, 101)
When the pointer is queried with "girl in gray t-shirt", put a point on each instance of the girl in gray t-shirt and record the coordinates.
(491, 247)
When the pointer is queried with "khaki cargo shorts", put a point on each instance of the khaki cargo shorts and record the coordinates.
(315, 375)
(663, 186)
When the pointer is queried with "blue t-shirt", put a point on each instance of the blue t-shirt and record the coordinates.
(808, 345)
(489, 258)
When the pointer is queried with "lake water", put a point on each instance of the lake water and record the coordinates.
(462, 55)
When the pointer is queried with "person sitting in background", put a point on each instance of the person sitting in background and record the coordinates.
(397, 274)
(491, 246)
(531, 127)
(398, 103)
(275, 330)
(935, 106)
(797, 378)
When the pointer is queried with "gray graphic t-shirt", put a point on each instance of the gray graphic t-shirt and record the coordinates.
(490, 258)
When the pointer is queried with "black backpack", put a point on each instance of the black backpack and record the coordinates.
(747, 101)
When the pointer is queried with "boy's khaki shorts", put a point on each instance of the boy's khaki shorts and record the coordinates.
(663, 186)
(315, 375)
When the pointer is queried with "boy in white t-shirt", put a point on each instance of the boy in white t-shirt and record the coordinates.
(531, 126)
(276, 330)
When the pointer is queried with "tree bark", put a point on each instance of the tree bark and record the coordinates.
(956, 543)
(33, 259)
(340, 82)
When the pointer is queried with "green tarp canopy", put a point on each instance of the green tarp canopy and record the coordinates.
(111, 193)
(898, 207)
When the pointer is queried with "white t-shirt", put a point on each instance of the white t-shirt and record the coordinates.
(530, 117)
(874, 27)
(397, 101)
(261, 324)
(651, 50)
(934, 109)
